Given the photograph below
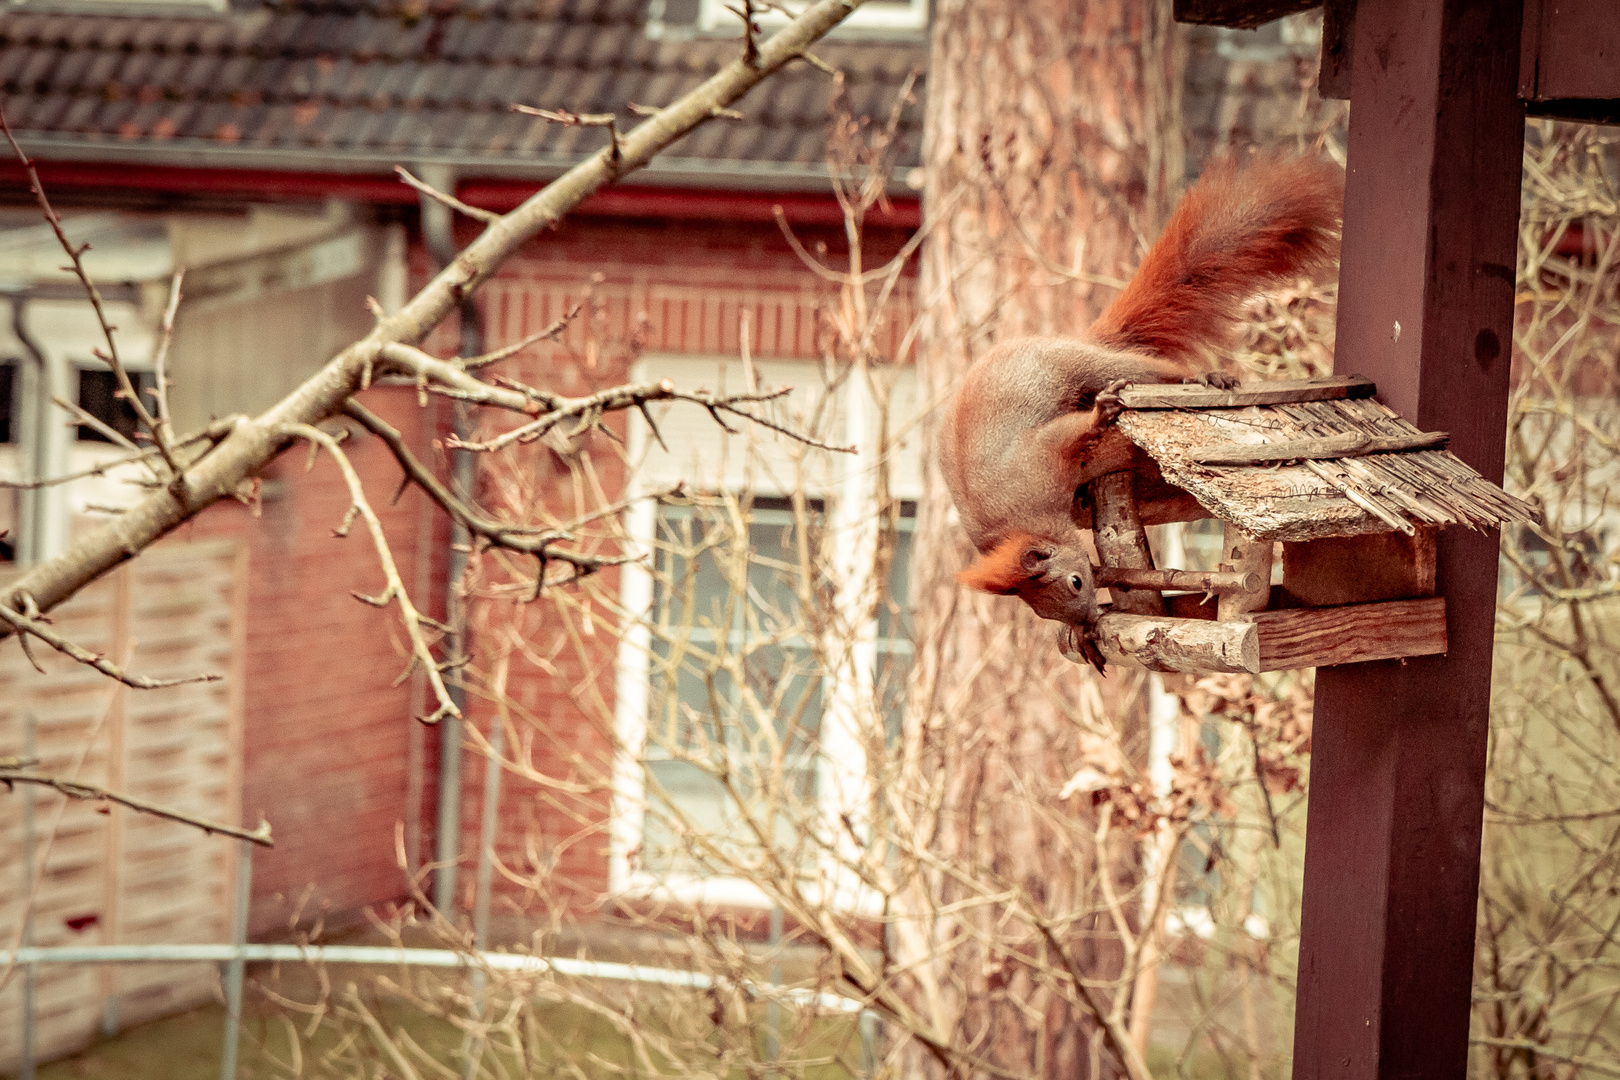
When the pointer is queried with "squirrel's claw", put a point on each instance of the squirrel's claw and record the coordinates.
(1078, 647)
(1218, 380)
(1108, 404)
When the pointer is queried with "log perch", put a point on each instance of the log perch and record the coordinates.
(1189, 645)
(1204, 581)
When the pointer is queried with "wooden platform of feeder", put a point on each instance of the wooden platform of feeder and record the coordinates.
(1278, 640)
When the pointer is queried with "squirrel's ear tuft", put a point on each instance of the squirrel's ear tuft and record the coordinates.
(1001, 570)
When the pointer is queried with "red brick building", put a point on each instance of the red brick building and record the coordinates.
(253, 143)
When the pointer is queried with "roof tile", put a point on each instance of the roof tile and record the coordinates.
(406, 77)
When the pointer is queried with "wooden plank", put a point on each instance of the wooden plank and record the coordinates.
(1337, 570)
(1357, 634)
(1188, 645)
(1237, 14)
(1390, 898)
(1198, 396)
(1328, 448)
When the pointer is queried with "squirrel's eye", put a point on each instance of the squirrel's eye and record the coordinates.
(1076, 583)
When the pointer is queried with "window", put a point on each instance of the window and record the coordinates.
(8, 400)
(98, 396)
(768, 653)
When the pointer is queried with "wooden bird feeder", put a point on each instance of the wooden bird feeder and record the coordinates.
(1352, 492)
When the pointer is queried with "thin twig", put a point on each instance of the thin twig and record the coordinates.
(590, 409)
(486, 216)
(28, 625)
(213, 432)
(76, 789)
(522, 539)
(572, 119)
(75, 253)
(101, 427)
(550, 333)
(160, 361)
(395, 589)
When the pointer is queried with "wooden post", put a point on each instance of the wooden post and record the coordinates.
(1121, 540)
(1398, 749)
(1250, 557)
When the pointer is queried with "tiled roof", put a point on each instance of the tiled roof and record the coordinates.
(358, 85)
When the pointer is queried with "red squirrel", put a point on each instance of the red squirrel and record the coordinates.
(1017, 432)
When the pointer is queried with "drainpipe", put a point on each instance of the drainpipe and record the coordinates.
(32, 395)
(439, 237)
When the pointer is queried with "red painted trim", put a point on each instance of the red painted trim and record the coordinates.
(688, 204)
(620, 202)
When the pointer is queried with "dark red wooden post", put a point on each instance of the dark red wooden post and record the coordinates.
(1398, 752)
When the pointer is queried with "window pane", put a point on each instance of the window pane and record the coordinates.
(763, 735)
(8, 399)
(98, 396)
(894, 613)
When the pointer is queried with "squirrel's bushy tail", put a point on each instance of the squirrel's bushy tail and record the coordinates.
(1234, 233)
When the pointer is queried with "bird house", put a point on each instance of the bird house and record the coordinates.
(1351, 491)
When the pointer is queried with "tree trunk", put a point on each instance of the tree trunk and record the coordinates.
(1052, 149)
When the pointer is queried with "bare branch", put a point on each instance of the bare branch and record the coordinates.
(76, 789)
(160, 361)
(520, 539)
(590, 409)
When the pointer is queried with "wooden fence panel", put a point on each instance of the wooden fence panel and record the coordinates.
(111, 876)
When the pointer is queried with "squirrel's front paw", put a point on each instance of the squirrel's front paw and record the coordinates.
(1078, 647)
(1108, 404)
(1218, 380)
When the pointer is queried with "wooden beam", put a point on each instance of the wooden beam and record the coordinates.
(1569, 64)
(1198, 396)
(1569, 58)
(1338, 35)
(1390, 897)
(1328, 448)
(1359, 633)
(1237, 14)
(1190, 645)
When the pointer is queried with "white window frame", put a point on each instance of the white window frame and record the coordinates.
(841, 786)
(715, 15)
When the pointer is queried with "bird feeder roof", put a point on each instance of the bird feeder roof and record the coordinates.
(1309, 458)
